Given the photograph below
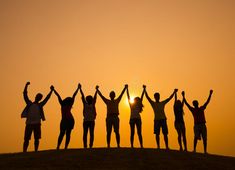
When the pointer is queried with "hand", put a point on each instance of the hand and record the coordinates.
(175, 90)
(97, 87)
(28, 83)
(144, 86)
(52, 88)
(79, 86)
(126, 85)
(183, 93)
(211, 91)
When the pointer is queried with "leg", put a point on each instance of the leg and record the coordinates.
(184, 138)
(116, 130)
(85, 130)
(196, 136)
(166, 140)
(157, 140)
(165, 132)
(27, 136)
(36, 144)
(194, 144)
(68, 133)
(108, 130)
(60, 138)
(92, 127)
(132, 126)
(139, 132)
(157, 132)
(178, 129)
(204, 137)
(25, 146)
(37, 136)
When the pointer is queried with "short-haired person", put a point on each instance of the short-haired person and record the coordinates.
(112, 119)
(160, 116)
(33, 113)
(200, 129)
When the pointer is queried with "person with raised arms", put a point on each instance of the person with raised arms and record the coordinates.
(112, 119)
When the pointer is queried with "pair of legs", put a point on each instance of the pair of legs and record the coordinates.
(66, 127)
(36, 130)
(112, 122)
(88, 125)
(137, 123)
(158, 124)
(180, 128)
(200, 130)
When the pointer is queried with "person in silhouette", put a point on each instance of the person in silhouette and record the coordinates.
(179, 122)
(135, 118)
(33, 113)
(89, 114)
(112, 120)
(160, 117)
(200, 129)
(67, 121)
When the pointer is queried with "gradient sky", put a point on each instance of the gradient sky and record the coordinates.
(164, 44)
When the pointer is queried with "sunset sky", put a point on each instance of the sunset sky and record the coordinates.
(165, 44)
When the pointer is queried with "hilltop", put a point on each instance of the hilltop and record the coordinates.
(123, 158)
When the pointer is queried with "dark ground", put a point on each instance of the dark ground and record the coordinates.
(124, 158)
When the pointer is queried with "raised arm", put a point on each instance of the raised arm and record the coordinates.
(128, 95)
(58, 96)
(142, 95)
(185, 101)
(102, 97)
(48, 96)
(123, 91)
(76, 91)
(208, 100)
(171, 96)
(175, 97)
(25, 93)
(95, 96)
(147, 96)
(82, 94)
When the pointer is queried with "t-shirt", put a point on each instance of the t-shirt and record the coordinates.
(198, 115)
(112, 108)
(89, 112)
(178, 114)
(158, 108)
(135, 112)
(34, 114)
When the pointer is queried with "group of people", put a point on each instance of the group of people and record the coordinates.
(34, 113)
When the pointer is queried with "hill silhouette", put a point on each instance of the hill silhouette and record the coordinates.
(123, 158)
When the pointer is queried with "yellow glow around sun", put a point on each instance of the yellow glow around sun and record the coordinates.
(131, 99)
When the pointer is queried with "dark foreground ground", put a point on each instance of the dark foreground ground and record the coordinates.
(124, 158)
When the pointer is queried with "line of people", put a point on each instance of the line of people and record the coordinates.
(33, 112)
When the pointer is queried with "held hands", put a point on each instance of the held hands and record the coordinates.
(144, 86)
(79, 86)
(52, 88)
(211, 91)
(126, 86)
(97, 87)
(183, 93)
(176, 90)
(28, 83)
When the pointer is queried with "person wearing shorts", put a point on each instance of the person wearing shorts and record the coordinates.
(67, 121)
(160, 117)
(135, 119)
(200, 129)
(33, 113)
(112, 119)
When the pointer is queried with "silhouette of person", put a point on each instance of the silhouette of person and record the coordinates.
(112, 119)
(67, 121)
(33, 113)
(160, 117)
(179, 122)
(200, 128)
(89, 114)
(135, 118)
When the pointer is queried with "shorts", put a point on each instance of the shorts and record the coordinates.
(200, 130)
(160, 124)
(180, 127)
(66, 124)
(35, 128)
(112, 122)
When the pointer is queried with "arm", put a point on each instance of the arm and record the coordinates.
(83, 96)
(123, 91)
(171, 96)
(147, 96)
(58, 96)
(95, 97)
(185, 101)
(142, 95)
(208, 100)
(25, 93)
(102, 97)
(48, 96)
(76, 91)
(128, 96)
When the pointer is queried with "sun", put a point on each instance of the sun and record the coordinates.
(132, 100)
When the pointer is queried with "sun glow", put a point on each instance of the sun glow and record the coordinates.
(132, 100)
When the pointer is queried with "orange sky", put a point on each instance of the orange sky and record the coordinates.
(181, 44)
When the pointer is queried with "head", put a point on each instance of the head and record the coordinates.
(178, 103)
(112, 95)
(138, 103)
(89, 99)
(38, 97)
(157, 97)
(68, 101)
(195, 103)
(137, 100)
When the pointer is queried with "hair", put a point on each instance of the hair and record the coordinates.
(38, 97)
(112, 94)
(138, 103)
(68, 101)
(89, 99)
(195, 103)
(157, 95)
